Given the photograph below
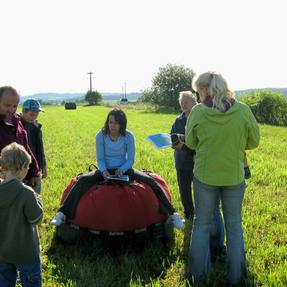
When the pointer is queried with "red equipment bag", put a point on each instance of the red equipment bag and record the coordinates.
(119, 207)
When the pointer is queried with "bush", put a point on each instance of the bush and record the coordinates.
(267, 106)
(70, 106)
(166, 85)
(93, 98)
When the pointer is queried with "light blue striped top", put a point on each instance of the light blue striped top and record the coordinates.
(115, 154)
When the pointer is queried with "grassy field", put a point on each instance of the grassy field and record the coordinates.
(69, 137)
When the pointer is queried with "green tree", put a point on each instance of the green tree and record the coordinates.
(93, 98)
(166, 85)
(267, 106)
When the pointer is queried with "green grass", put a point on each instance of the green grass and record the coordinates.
(69, 137)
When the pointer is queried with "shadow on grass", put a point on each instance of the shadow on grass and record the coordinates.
(216, 277)
(90, 105)
(186, 243)
(103, 260)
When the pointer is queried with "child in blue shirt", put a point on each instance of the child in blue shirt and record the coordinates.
(30, 113)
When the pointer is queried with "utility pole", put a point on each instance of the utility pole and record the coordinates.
(91, 88)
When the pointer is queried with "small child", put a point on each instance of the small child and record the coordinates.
(20, 211)
(30, 112)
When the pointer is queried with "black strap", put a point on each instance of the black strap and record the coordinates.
(92, 167)
(79, 174)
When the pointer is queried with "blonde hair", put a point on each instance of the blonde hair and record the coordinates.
(13, 158)
(217, 89)
(187, 94)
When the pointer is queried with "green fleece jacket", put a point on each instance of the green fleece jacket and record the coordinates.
(220, 139)
(20, 211)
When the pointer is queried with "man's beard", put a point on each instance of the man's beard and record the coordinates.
(7, 117)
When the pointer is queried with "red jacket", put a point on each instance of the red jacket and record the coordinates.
(16, 133)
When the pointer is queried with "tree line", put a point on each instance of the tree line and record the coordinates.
(269, 107)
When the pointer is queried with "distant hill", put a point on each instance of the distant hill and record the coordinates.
(56, 98)
(279, 90)
(133, 97)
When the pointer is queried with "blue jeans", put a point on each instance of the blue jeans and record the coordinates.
(206, 202)
(30, 274)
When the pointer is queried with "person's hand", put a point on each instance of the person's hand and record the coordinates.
(119, 172)
(44, 173)
(105, 173)
(34, 181)
(181, 137)
(179, 145)
(180, 142)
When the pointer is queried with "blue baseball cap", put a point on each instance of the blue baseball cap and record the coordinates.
(32, 105)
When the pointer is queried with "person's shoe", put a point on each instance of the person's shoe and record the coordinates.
(177, 222)
(59, 218)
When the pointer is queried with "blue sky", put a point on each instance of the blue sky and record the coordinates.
(49, 45)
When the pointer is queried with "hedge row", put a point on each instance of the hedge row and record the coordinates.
(267, 106)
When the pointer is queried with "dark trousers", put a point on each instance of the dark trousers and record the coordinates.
(184, 179)
(30, 273)
(142, 177)
(86, 181)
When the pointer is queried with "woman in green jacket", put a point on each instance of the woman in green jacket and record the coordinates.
(219, 129)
